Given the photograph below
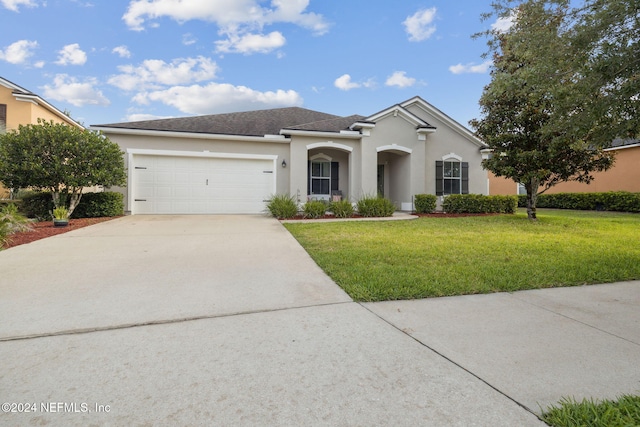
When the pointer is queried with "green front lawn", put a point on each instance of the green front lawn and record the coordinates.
(622, 412)
(431, 257)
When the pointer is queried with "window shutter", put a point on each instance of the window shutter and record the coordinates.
(439, 178)
(334, 176)
(3, 117)
(308, 176)
(465, 178)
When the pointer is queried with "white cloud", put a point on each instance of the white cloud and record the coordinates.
(155, 73)
(122, 51)
(503, 24)
(251, 43)
(217, 98)
(69, 89)
(227, 14)
(400, 79)
(14, 4)
(344, 83)
(188, 39)
(71, 54)
(420, 25)
(137, 117)
(18, 52)
(471, 68)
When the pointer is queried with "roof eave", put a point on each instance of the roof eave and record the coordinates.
(193, 135)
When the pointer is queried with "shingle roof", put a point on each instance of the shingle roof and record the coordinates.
(249, 123)
(330, 125)
(619, 142)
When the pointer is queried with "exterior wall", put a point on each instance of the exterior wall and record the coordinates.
(447, 140)
(24, 113)
(501, 186)
(172, 143)
(623, 176)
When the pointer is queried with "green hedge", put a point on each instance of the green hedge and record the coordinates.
(92, 205)
(478, 203)
(425, 203)
(620, 201)
(97, 205)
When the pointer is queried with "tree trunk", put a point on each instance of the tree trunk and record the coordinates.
(532, 198)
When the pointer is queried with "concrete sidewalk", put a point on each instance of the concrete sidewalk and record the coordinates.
(227, 321)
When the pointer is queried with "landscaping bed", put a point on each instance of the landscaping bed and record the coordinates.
(45, 229)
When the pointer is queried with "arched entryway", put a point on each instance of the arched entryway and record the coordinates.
(394, 173)
(328, 171)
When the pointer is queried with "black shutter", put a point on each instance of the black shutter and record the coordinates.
(3, 117)
(334, 176)
(439, 177)
(465, 178)
(308, 177)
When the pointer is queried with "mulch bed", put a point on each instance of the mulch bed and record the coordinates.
(46, 229)
(428, 215)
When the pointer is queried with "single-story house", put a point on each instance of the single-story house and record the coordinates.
(624, 175)
(233, 163)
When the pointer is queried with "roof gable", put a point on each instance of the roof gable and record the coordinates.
(432, 111)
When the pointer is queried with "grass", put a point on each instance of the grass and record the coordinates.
(432, 257)
(625, 411)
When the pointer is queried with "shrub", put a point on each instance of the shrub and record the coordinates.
(425, 203)
(282, 206)
(37, 205)
(375, 207)
(11, 222)
(314, 209)
(478, 203)
(341, 209)
(621, 201)
(97, 205)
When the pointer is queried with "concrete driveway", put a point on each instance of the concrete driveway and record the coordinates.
(225, 320)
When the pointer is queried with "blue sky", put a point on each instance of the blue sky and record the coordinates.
(118, 60)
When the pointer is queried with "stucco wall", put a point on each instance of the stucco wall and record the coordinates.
(623, 176)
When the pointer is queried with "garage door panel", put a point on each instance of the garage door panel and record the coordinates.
(177, 185)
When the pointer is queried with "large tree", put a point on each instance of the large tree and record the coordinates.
(61, 159)
(549, 112)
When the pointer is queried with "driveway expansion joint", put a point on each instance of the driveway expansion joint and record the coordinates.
(448, 359)
(542, 307)
(158, 322)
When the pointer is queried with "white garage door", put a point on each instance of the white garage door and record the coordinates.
(200, 185)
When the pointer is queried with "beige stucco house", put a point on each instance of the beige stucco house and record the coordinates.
(623, 176)
(233, 163)
(19, 106)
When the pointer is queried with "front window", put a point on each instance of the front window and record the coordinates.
(320, 177)
(452, 177)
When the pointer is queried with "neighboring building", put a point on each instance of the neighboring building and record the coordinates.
(233, 163)
(623, 176)
(19, 106)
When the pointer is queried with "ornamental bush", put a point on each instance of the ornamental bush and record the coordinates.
(314, 209)
(478, 203)
(425, 203)
(98, 205)
(282, 206)
(341, 209)
(375, 207)
(92, 205)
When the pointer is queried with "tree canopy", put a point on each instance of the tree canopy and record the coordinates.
(562, 90)
(61, 159)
